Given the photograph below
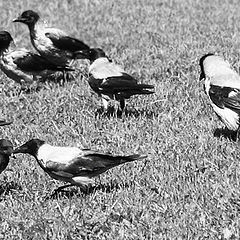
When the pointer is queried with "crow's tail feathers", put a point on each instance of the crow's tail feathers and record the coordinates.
(131, 158)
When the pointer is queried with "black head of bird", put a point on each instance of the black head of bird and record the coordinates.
(6, 150)
(202, 74)
(28, 17)
(5, 40)
(93, 53)
(6, 147)
(31, 147)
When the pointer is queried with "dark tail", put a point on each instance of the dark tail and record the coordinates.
(145, 86)
(102, 162)
(143, 89)
(130, 158)
(138, 89)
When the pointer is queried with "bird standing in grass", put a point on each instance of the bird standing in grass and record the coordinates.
(22, 65)
(110, 81)
(222, 85)
(71, 164)
(52, 43)
(6, 149)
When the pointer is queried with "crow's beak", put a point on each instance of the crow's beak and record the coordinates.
(19, 19)
(21, 149)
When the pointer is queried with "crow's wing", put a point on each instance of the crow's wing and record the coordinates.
(31, 62)
(64, 42)
(89, 164)
(225, 97)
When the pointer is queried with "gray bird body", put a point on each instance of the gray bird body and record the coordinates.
(44, 45)
(71, 164)
(8, 66)
(52, 43)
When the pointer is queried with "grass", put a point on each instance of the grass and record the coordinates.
(188, 188)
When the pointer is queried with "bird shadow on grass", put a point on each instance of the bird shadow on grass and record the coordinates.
(225, 133)
(48, 80)
(113, 112)
(58, 77)
(7, 187)
(107, 188)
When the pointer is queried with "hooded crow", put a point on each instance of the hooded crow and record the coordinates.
(110, 81)
(52, 43)
(22, 65)
(71, 164)
(222, 85)
(6, 149)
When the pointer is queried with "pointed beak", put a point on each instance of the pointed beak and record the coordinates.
(21, 149)
(19, 19)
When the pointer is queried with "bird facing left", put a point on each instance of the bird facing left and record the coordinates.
(6, 149)
(222, 85)
(51, 43)
(72, 164)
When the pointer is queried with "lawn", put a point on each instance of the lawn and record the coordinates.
(188, 187)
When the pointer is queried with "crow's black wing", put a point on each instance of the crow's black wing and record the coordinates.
(225, 97)
(32, 62)
(90, 164)
(67, 43)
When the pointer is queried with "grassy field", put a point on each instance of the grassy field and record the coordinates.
(188, 188)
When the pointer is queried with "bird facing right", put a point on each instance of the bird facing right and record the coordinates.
(110, 81)
(222, 85)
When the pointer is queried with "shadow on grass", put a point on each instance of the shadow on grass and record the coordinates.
(107, 188)
(59, 78)
(113, 112)
(7, 187)
(225, 133)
